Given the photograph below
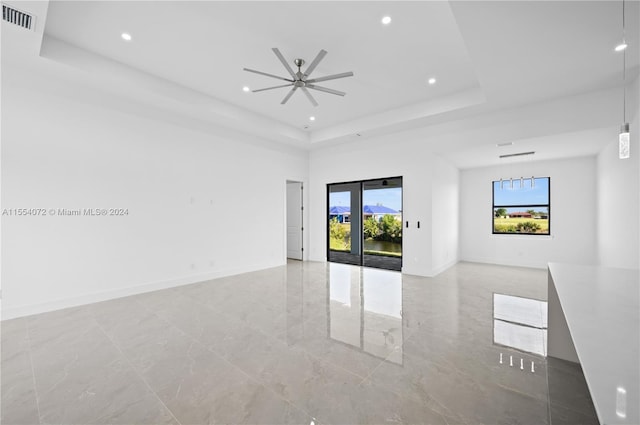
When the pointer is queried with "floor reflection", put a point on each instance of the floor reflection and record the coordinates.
(332, 344)
(520, 323)
(365, 310)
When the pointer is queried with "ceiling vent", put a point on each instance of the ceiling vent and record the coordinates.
(16, 17)
(516, 154)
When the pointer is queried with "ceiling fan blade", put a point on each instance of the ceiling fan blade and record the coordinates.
(271, 88)
(315, 63)
(326, 90)
(311, 99)
(286, 98)
(268, 75)
(284, 62)
(331, 77)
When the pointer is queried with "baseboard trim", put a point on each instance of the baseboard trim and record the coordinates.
(533, 265)
(436, 271)
(59, 304)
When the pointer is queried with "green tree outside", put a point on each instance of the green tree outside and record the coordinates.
(500, 212)
(371, 228)
(390, 229)
(339, 235)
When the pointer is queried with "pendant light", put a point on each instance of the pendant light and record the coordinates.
(623, 137)
(623, 141)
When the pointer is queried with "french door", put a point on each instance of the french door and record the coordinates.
(344, 240)
(364, 223)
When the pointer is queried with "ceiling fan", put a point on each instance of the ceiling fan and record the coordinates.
(300, 80)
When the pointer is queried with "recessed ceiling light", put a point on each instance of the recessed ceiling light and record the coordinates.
(246, 89)
(386, 20)
(126, 36)
(620, 47)
(312, 118)
(431, 81)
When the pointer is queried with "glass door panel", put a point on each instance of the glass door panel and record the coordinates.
(344, 236)
(382, 223)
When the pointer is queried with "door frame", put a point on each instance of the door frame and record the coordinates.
(360, 230)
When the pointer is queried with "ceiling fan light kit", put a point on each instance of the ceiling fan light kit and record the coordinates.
(300, 80)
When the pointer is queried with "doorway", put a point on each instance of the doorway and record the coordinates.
(365, 223)
(295, 225)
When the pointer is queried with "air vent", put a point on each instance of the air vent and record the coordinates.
(16, 17)
(516, 154)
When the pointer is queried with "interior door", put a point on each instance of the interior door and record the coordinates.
(294, 220)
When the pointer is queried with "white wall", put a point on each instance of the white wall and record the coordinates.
(573, 215)
(200, 205)
(390, 156)
(618, 190)
(445, 213)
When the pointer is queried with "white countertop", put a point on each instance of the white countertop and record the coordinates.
(601, 307)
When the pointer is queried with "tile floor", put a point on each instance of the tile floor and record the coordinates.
(302, 343)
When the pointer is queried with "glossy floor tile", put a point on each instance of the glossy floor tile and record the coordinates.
(299, 344)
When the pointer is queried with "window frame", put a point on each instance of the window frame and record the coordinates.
(494, 206)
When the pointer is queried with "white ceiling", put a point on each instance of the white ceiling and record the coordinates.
(205, 46)
(485, 55)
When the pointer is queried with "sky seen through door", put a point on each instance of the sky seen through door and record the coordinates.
(389, 197)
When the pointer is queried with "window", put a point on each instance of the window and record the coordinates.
(522, 206)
